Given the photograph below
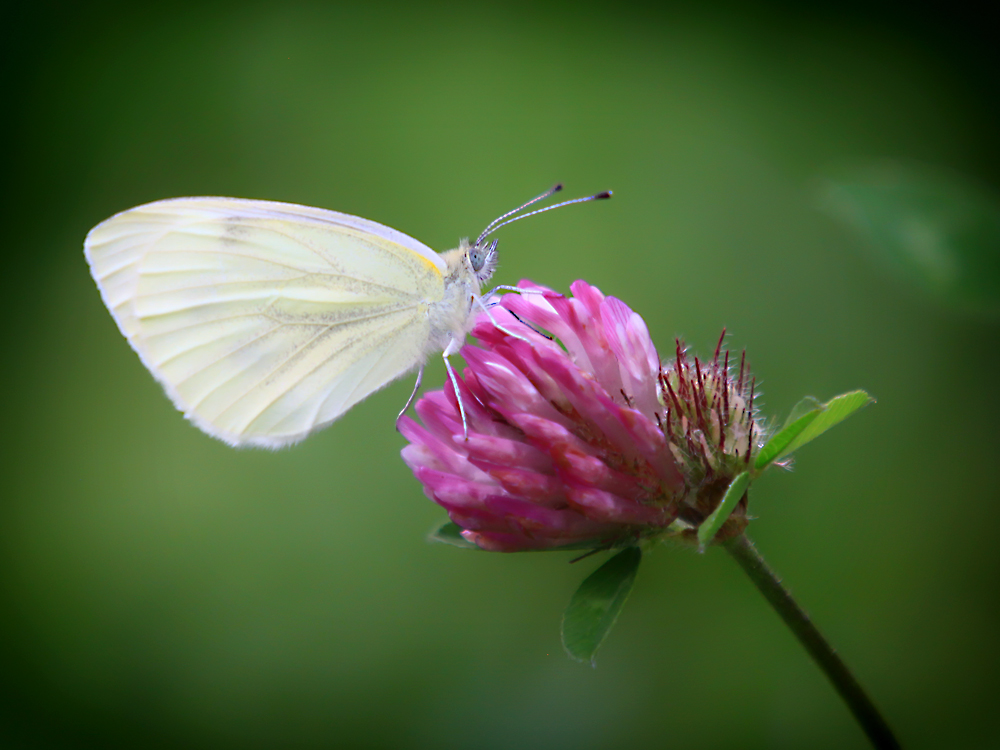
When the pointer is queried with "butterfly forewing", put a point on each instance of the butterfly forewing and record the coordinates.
(265, 321)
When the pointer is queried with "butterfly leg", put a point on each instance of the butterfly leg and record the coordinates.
(519, 290)
(452, 348)
(519, 319)
(532, 326)
(486, 309)
(416, 387)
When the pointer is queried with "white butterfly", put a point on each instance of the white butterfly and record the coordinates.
(266, 321)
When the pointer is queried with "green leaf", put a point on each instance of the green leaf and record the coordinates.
(595, 606)
(777, 446)
(711, 525)
(449, 532)
(835, 411)
(809, 419)
(806, 405)
(935, 230)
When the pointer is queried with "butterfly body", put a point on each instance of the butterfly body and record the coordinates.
(452, 316)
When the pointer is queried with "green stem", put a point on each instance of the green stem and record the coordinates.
(798, 621)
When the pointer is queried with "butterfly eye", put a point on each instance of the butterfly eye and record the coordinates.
(477, 257)
(483, 259)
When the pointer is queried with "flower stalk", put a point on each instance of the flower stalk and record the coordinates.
(846, 685)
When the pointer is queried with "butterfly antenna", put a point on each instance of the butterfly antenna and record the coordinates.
(548, 193)
(495, 226)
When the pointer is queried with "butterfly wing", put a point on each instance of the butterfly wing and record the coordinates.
(265, 321)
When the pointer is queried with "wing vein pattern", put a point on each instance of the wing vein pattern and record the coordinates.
(265, 321)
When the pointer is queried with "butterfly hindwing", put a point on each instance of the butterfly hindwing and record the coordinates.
(265, 321)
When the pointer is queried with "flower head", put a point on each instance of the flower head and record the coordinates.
(584, 438)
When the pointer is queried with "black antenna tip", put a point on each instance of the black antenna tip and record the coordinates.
(557, 187)
(602, 196)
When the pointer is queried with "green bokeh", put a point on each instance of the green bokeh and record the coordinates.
(159, 589)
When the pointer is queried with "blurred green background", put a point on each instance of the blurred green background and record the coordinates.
(159, 589)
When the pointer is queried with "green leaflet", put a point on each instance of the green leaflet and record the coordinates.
(711, 525)
(777, 446)
(809, 420)
(803, 407)
(449, 532)
(596, 605)
(836, 410)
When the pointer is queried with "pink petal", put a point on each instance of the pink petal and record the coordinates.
(452, 491)
(477, 416)
(584, 314)
(505, 385)
(529, 485)
(590, 296)
(590, 471)
(549, 436)
(439, 415)
(586, 396)
(537, 520)
(651, 442)
(607, 507)
(502, 451)
(488, 422)
(435, 453)
(521, 354)
(639, 364)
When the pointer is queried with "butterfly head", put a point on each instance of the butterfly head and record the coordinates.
(483, 259)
